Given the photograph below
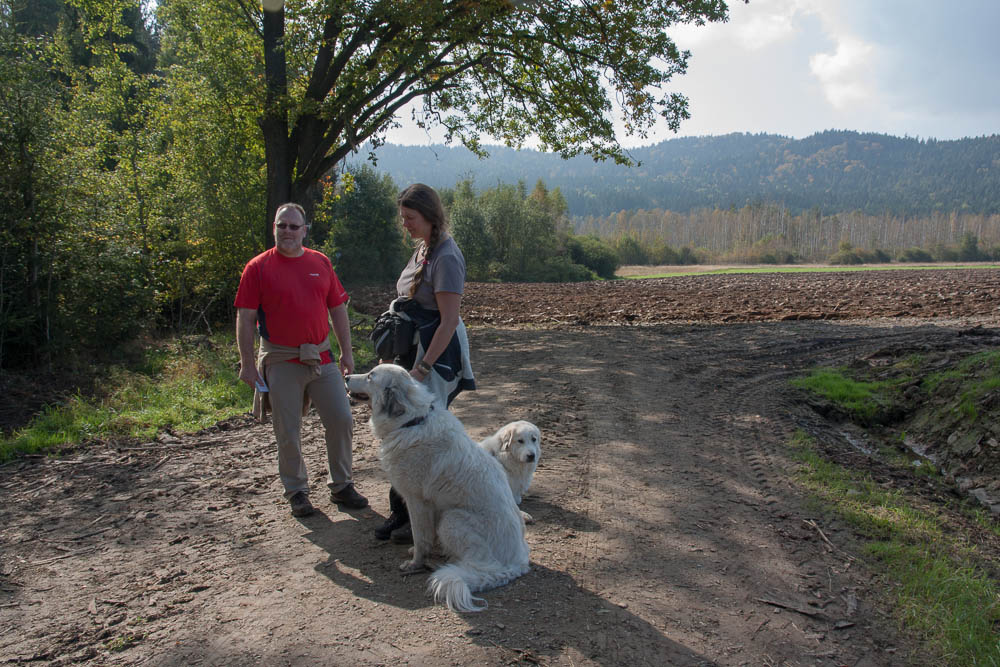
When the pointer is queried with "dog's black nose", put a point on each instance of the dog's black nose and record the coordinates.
(531, 457)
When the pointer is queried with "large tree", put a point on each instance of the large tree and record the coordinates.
(335, 73)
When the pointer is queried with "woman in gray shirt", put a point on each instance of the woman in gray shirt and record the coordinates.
(429, 291)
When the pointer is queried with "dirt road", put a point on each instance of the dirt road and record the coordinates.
(668, 532)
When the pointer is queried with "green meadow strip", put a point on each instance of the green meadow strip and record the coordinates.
(809, 269)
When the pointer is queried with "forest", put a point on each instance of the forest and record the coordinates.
(834, 171)
(140, 156)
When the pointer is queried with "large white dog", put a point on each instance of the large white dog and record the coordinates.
(518, 447)
(455, 492)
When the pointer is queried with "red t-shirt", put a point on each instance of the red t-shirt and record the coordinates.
(292, 296)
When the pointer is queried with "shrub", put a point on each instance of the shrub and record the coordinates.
(689, 255)
(662, 254)
(915, 255)
(365, 241)
(630, 251)
(943, 253)
(848, 254)
(594, 254)
(562, 269)
(844, 257)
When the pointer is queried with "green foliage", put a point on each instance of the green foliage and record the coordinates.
(594, 254)
(335, 74)
(187, 384)
(969, 249)
(130, 195)
(508, 234)
(771, 249)
(630, 250)
(944, 253)
(183, 384)
(82, 236)
(523, 232)
(208, 198)
(472, 233)
(27, 233)
(661, 254)
(365, 241)
(561, 269)
(689, 255)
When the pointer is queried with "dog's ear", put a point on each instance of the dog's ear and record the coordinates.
(391, 404)
(506, 437)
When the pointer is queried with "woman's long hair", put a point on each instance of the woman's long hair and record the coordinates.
(425, 200)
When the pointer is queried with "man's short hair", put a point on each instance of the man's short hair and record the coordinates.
(291, 205)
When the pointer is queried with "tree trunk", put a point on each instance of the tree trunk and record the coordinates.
(279, 177)
(274, 122)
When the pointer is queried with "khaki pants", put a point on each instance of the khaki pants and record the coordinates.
(289, 382)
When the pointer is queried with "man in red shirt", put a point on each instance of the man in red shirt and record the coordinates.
(290, 294)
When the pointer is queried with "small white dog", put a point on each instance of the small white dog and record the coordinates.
(455, 492)
(518, 447)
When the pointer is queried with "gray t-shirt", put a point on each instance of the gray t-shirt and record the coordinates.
(445, 272)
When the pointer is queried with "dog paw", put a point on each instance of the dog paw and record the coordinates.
(412, 567)
(527, 517)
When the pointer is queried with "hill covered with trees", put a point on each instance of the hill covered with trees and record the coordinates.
(832, 171)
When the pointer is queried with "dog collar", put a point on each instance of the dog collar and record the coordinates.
(416, 421)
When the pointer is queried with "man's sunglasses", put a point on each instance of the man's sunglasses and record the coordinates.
(285, 225)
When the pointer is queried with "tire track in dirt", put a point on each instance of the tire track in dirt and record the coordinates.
(580, 498)
(755, 419)
(690, 494)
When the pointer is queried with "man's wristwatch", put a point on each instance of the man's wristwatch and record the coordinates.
(423, 367)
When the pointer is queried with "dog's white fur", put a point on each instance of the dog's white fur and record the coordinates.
(455, 492)
(518, 447)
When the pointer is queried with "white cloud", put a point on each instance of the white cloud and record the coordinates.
(770, 21)
(764, 29)
(845, 74)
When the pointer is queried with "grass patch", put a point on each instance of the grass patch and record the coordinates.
(972, 382)
(866, 402)
(183, 385)
(809, 269)
(938, 587)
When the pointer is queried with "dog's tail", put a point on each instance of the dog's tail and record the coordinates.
(454, 583)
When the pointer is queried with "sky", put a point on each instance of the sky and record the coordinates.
(913, 68)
